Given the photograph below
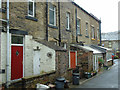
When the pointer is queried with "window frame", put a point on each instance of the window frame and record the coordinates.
(54, 17)
(33, 8)
(98, 36)
(0, 3)
(109, 44)
(86, 29)
(68, 21)
(78, 26)
(93, 32)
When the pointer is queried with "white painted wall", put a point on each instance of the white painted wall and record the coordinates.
(108, 56)
(46, 64)
(95, 61)
(4, 56)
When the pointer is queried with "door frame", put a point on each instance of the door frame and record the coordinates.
(70, 58)
(23, 52)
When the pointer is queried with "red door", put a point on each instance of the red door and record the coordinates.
(16, 62)
(72, 59)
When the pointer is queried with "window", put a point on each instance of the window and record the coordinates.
(68, 21)
(98, 34)
(86, 29)
(64, 45)
(52, 15)
(78, 26)
(109, 44)
(0, 3)
(17, 40)
(31, 6)
(93, 33)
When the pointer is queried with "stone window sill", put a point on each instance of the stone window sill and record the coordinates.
(2, 10)
(93, 39)
(68, 30)
(51, 26)
(87, 36)
(79, 34)
(31, 18)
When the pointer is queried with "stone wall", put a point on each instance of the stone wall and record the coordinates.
(30, 82)
(95, 24)
(67, 36)
(85, 59)
(53, 30)
(18, 20)
(61, 62)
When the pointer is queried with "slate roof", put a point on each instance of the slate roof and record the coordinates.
(102, 49)
(50, 45)
(111, 36)
(99, 48)
(81, 47)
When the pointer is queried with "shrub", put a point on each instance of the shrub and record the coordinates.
(116, 57)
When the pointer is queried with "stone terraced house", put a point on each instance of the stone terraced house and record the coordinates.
(43, 38)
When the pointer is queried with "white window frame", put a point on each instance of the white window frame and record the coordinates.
(33, 8)
(109, 44)
(86, 29)
(0, 3)
(54, 10)
(98, 34)
(93, 32)
(68, 21)
(78, 26)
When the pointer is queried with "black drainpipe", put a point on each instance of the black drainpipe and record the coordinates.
(59, 22)
(47, 20)
(76, 24)
(100, 31)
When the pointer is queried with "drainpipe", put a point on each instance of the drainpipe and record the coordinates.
(47, 20)
(59, 22)
(76, 25)
(7, 62)
(100, 31)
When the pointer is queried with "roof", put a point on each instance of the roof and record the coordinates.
(108, 49)
(50, 45)
(98, 48)
(81, 47)
(102, 49)
(87, 48)
(95, 51)
(110, 36)
(94, 17)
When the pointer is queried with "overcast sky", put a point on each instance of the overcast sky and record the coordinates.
(107, 10)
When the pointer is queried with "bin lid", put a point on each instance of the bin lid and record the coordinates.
(76, 74)
(61, 79)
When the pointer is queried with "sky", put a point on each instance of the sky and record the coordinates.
(106, 10)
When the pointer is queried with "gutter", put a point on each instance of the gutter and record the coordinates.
(100, 32)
